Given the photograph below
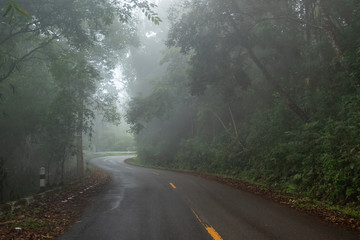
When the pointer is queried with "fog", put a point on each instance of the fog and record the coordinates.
(263, 91)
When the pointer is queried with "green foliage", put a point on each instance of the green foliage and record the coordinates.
(193, 155)
(156, 105)
(56, 62)
(271, 91)
(151, 15)
(113, 138)
(11, 8)
(33, 223)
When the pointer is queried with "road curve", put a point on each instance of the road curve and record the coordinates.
(148, 204)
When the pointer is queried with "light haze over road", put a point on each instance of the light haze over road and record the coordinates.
(148, 204)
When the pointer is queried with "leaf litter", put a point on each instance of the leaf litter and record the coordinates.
(55, 212)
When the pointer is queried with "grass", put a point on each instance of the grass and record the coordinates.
(298, 201)
(33, 223)
(91, 155)
(48, 217)
(114, 154)
(25, 219)
(88, 156)
(135, 161)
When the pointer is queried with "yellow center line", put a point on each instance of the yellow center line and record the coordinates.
(208, 228)
(173, 186)
(155, 173)
(213, 233)
(198, 218)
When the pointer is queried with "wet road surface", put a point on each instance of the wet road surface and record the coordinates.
(148, 204)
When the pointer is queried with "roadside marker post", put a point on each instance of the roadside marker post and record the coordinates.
(42, 179)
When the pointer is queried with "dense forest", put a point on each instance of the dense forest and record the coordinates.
(261, 90)
(57, 62)
(265, 91)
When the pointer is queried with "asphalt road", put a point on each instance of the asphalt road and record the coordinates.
(148, 204)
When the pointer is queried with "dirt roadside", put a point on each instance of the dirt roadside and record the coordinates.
(309, 207)
(312, 208)
(52, 214)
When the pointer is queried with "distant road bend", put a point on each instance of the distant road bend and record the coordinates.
(148, 204)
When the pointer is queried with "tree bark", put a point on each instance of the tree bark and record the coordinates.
(79, 148)
(331, 36)
(284, 95)
(308, 19)
(236, 136)
(15, 63)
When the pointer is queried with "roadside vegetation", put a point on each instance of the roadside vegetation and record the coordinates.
(57, 62)
(91, 155)
(265, 92)
(345, 216)
(262, 91)
(53, 212)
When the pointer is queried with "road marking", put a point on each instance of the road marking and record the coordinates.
(155, 173)
(213, 233)
(173, 186)
(208, 228)
(198, 218)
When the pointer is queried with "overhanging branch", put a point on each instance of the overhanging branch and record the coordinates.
(14, 64)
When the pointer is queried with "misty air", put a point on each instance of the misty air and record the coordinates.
(179, 119)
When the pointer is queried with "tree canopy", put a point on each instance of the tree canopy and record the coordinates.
(266, 91)
(56, 64)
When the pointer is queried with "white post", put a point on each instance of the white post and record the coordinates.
(42, 179)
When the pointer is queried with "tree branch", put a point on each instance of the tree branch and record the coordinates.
(296, 20)
(236, 137)
(13, 65)
(268, 77)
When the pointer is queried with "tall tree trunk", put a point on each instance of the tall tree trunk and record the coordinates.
(331, 36)
(268, 77)
(62, 162)
(308, 19)
(79, 149)
(234, 136)
(284, 95)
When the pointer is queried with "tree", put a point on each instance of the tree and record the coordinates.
(270, 88)
(55, 63)
(23, 111)
(80, 23)
(228, 35)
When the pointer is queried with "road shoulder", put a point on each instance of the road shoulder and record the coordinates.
(52, 214)
(312, 208)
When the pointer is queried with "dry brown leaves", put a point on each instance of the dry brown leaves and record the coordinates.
(50, 216)
(321, 212)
